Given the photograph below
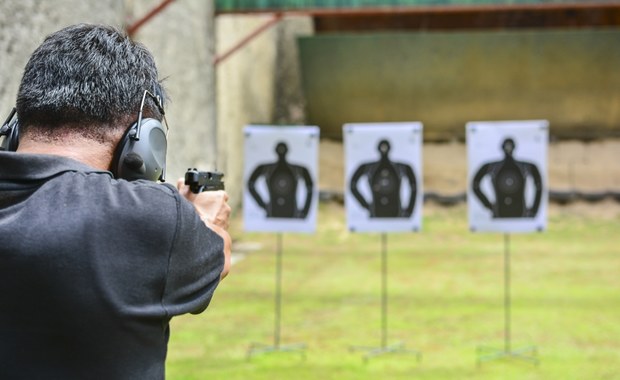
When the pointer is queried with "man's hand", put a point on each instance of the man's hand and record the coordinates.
(212, 206)
(214, 211)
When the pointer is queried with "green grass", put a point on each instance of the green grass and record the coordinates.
(446, 298)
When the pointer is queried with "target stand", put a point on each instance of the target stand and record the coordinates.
(260, 348)
(384, 348)
(526, 354)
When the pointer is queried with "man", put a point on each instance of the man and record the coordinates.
(93, 267)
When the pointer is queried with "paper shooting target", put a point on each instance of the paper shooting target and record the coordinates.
(383, 176)
(507, 176)
(281, 178)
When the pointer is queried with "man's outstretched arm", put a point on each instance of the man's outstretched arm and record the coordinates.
(214, 211)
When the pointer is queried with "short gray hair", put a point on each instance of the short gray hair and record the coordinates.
(87, 76)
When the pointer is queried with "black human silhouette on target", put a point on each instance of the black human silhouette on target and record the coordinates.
(509, 178)
(282, 179)
(385, 179)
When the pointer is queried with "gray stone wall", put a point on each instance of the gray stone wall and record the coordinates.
(289, 100)
(25, 23)
(245, 89)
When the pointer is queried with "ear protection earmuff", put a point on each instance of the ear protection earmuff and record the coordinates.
(141, 153)
(9, 132)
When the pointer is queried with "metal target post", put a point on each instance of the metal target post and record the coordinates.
(507, 162)
(384, 348)
(507, 299)
(258, 348)
(384, 291)
(278, 295)
(530, 353)
(267, 208)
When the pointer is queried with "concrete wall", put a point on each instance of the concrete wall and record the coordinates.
(289, 98)
(245, 91)
(25, 23)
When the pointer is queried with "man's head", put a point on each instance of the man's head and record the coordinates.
(87, 80)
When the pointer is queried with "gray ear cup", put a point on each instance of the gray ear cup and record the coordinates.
(144, 156)
(9, 132)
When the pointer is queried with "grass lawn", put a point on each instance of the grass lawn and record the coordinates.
(445, 298)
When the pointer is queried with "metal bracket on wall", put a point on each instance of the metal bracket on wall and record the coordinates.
(244, 41)
(133, 27)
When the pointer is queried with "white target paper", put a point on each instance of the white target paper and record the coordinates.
(383, 176)
(280, 178)
(507, 180)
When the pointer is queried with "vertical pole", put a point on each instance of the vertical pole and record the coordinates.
(211, 85)
(507, 292)
(278, 301)
(384, 301)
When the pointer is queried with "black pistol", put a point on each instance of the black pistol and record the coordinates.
(203, 181)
